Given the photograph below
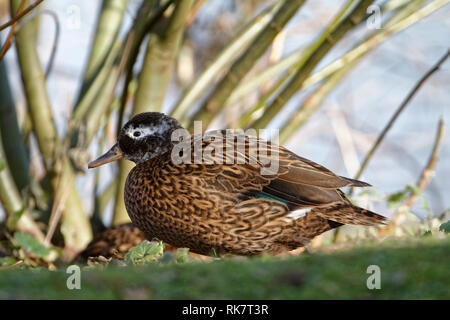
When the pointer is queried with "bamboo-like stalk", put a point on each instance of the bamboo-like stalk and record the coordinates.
(391, 122)
(9, 194)
(75, 224)
(195, 9)
(312, 103)
(428, 171)
(13, 142)
(21, 14)
(92, 92)
(423, 181)
(88, 114)
(103, 199)
(35, 91)
(107, 29)
(120, 214)
(162, 49)
(59, 200)
(394, 25)
(268, 73)
(16, 215)
(295, 61)
(245, 62)
(147, 19)
(8, 41)
(406, 9)
(104, 101)
(297, 80)
(226, 56)
(292, 61)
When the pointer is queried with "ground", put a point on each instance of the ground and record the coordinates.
(410, 269)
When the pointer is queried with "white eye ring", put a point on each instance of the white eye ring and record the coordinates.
(139, 133)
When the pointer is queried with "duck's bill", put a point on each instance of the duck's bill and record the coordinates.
(112, 155)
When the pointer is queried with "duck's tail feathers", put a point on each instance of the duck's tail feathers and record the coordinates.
(355, 183)
(347, 213)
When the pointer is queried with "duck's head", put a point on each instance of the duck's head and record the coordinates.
(145, 136)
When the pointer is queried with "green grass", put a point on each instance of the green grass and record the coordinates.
(410, 269)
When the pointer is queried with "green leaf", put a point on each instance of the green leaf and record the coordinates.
(145, 252)
(425, 205)
(182, 255)
(369, 192)
(427, 234)
(31, 244)
(168, 257)
(12, 220)
(445, 227)
(395, 198)
(414, 189)
(2, 164)
(7, 261)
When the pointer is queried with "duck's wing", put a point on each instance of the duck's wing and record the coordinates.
(260, 169)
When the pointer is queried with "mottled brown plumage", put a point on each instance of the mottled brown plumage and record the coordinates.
(114, 242)
(225, 207)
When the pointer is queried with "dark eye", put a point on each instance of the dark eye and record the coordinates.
(136, 133)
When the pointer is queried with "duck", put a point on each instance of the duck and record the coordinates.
(115, 241)
(227, 191)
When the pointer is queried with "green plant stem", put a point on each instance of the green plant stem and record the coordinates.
(312, 103)
(268, 73)
(398, 112)
(159, 58)
(9, 194)
(297, 80)
(92, 92)
(147, 19)
(21, 15)
(106, 196)
(216, 67)
(392, 26)
(162, 49)
(295, 61)
(35, 91)
(428, 171)
(108, 25)
(105, 100)
(342, 66)
(17, 216)
(422, 183)
(120, 214)
(97, 100)
(245, 62)
(12, 139)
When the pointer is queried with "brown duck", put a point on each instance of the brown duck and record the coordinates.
(232, 199)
